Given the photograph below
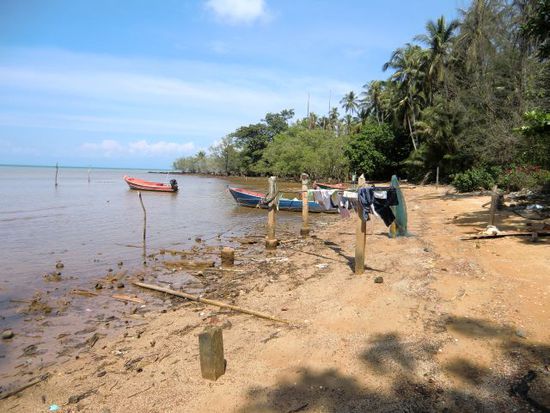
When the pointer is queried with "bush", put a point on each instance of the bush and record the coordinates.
(473, 180)
(525, 177)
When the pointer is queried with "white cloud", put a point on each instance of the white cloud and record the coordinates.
(238, 11)
(110, 147)
(136, 98)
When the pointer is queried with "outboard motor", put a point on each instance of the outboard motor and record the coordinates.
(174, 184)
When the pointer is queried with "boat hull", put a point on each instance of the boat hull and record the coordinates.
(141, 185)
(252, 199)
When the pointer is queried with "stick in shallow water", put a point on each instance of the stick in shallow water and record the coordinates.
(144, 227)
(209, 302)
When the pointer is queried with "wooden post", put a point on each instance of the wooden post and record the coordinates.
(494, 204)
(211, 353)
(228, 257)
(271, 242)
(304, 231)
(88, 175)
(56, 173)
(437, 178)
(360, 234)
(144, 227)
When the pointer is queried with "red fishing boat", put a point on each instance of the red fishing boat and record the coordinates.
(141, 185)
(320, 185)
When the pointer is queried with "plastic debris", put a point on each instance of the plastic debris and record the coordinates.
(490, 230)
(54, 408)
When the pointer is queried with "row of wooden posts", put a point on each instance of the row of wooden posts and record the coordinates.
(212, 361)
(271, 241)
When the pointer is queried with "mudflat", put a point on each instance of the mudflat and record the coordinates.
(453, 325)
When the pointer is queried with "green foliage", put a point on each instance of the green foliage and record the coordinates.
(253, 139)
(473, 180)
(533, 178)
(370, 151)
(536, 138)
(537, 27)
(316, 152)
(225, 157)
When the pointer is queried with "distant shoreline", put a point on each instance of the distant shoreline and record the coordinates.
(83, 167)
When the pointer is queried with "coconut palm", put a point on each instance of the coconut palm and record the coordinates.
(409, 64)
(372, 100)
(439, 39)
(350, 103)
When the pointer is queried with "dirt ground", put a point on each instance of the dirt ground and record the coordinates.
(457, 326)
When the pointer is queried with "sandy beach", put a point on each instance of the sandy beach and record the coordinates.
(452, 325)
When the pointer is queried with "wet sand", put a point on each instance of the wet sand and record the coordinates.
(454, 326)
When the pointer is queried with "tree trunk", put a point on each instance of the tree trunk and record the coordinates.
(412, 133)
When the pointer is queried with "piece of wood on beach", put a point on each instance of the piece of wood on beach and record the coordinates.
(25, 386)
(505, 234)
(227, 256)
(84, 293)
(211, 353)
(304, 231)
(210, 302)
(271, 241)
(124, 297)
(186, 264)
(360, 234)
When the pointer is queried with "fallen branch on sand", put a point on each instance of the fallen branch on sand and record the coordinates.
(25, 386)
(123, 297)
(505, 234)
(210, 302)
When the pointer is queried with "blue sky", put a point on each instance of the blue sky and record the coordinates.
(140, 83)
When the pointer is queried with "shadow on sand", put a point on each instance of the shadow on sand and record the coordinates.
(417, 383)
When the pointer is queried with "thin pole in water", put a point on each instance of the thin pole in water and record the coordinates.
(56, 172)
(88, 175)
(144, 227)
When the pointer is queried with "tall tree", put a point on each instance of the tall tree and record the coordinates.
(350, 103)
(439, 38)
(409, 65)
(372, 99)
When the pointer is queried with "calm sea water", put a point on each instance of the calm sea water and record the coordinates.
(90, 227)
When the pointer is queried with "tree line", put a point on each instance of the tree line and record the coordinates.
(468, 96)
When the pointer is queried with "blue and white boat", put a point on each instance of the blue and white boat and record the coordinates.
(252, 199)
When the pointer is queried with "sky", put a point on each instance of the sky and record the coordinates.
(140, 83)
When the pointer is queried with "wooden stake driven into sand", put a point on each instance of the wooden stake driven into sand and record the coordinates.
(210, 302)
(271, 241)
(304, 231)
(360, 233)
(494, 205)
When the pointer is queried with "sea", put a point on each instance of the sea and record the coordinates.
(92, 223)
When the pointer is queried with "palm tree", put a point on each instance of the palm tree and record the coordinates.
(409, 77)
(439, 39)
(350, 103)
(372, 101)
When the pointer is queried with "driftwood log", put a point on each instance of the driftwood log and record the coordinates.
(506, 234)
(210, 302)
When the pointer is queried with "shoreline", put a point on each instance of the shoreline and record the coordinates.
(451, 323)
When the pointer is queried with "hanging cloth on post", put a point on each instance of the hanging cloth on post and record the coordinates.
(378, 201)
(323, 198)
